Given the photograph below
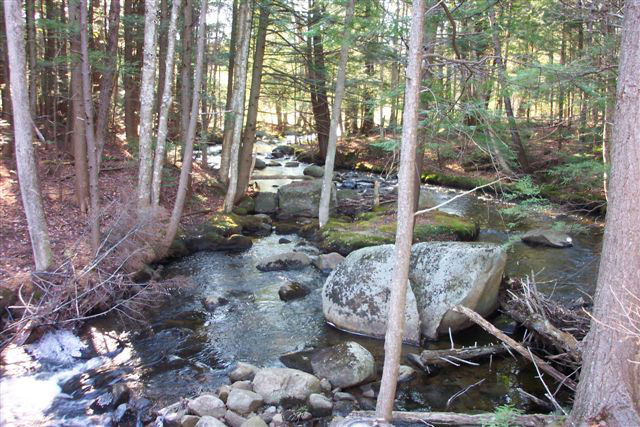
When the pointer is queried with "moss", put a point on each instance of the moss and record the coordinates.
(453, 181)
(223, 224)
(368, 167)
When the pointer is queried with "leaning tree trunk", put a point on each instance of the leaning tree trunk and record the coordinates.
(249, 135)
(146, 104)
(167, 97)
(609, 388)
(25, 156)
(185, 173)
(327, 181)
(405, 217)
(186, 71)
(240, 78)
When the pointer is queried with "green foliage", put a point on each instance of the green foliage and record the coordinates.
(580, 173)
(529, 202)
(503, 416)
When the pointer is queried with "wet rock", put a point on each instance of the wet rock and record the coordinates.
(284, 261)
(274, 164)
(208, 421)
(243, 371)
(283, 241)
(320, 405)
(266, 202)
(174, 419)
(281, 151)
(314, 171)
(278, 384)
(301, 199)
(255, 421)
(343, 408)
(223, 392)
(241, 385)
(277, 420)
(368, 391)
(306, 249)
(233, 419)
(291, 291)
(328, 262)
(207, 405)
(291, 164)
(442, 275)
(103, 403)
(341, 395)
(260, 164)
(405, 373)
(189, 421)
(211, 241)
(244, 401)
(211, 302)
(174, 407)
(344, 365)
(120, 393)
(546, 237)
(123, 414)
(300, 360)
(256, 225)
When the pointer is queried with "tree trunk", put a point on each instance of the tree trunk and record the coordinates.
(228, 115)
(131, 78)
(609, 388)
(146, 104)
(185, 173)
(405, 217)
(30, 7)
(108, 80)
(186, 71)
(318, 79)
(25, 156)
(167, 97)
(327, 181)
(249, 135)
(163, 39)
(240, 78)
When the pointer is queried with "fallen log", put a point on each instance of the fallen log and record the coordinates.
(451, 418)
(455, 356)
(480, 321)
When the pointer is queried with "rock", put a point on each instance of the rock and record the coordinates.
(281, 151)
(277, 420)
(268, 414)
(245, 206)
(442, 275)
(284, 241)
(278, 384)
(207, 405)
(405, 373)
(233, 419)
(211, 302)
(328, 262)
(320, 405)
(211, 241)
(223, 392)
(208, 421)
(123, 413)
(314, 171)
(244, 401)
(291, 165)
(291, 291)
(325, 385)
(344, 365)
(243, 371)
(301, 198)
(189, 420)
(284, 261)
(120, 393)
(242, 385)
(368, 391)
(309, 250)
(546, 237)
(260, 164)
(255, 421)
(341, 395)
(237, 243)
(266, 202)
(272, 163)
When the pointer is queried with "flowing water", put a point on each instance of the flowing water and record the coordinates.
(188, 349)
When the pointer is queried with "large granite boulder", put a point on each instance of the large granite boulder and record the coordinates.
(266, 202)
(301, 198)
(280, 385)
(355, 297)
(344, 365)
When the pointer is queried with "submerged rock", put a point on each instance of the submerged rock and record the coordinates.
(284, 261)
(546, 237)
(291, 291)
(301, 198)
(291, 165)
(284, 385)
(355, 297)
(344, 365)
(260, 164)
(243, 371)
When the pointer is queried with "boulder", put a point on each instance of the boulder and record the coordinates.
(301, 198)
(281, 151)
(314, 171)
(328, 262)
(233, 419)
(254, 421)
(546, 237)
(207, 405)
(189, 421)
(260, 164)
(272, 163)
(276, 385)
(320, 405)
(243, 371)
(208, 421)
(242, 385)
(245, 206)
(266, 202)
(291, 165)
(344, 365)
(284, 261)
(211, 241)
(243, 401)
(291, 291)
(355, 296)
(405, 373)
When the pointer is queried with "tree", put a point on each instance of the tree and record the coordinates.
(405, 216)
(327, 182)
(609, 388)
(25, 156)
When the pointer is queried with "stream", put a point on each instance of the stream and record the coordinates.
(188, 350)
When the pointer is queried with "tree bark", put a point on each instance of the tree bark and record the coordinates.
(25, 156)
(327, 181)
(131, 78)
(223, 173)
(404, 233)
(185, 173)
(249, 135)
(163, 40)
(167, 97)
(30, 7)
(186, 71)
(240, 78)
(318, 81)
(146, 104)
(609, 388)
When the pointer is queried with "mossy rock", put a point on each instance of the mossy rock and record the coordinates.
(378, 227)
(368, 167)
(223, 224)
(245, 206)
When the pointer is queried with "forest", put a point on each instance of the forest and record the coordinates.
(320, 212)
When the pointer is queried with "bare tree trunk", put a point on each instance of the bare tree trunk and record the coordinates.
(146, 104)
(131, 78)
(81, 178)
(609, 388)
(5, 86)
(30, 7)
(405, 218)
(249, 135)
(240, 78)
(228, 115)
(108, 80)
(185, 173)
(327, 181)
(92, 152)
(25, 156)
(186, 71)
(163, 39)
(167, 97)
